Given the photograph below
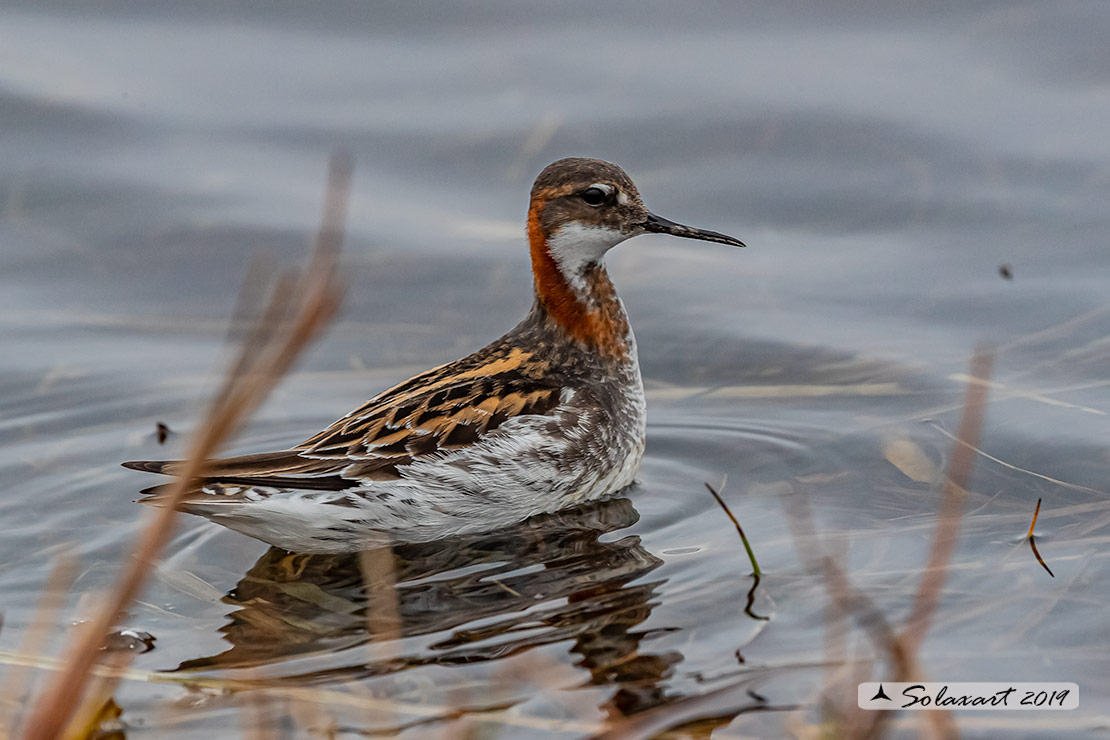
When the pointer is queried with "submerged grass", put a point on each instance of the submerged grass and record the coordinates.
(739, 530)
(757, 574)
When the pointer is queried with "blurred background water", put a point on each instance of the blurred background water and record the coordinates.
(884, 162)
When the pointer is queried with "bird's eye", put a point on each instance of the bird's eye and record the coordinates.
(594, 196)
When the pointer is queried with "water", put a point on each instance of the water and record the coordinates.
(881, 163)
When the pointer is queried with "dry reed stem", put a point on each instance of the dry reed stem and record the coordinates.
(310, 720)
(98, 692)
(947, 530)
(901, 647)
(848, 601)
(837, 631)
(383, 618)
(46, 616)
(256, 718)
(298, 310)
(904, 646)
(845, 598)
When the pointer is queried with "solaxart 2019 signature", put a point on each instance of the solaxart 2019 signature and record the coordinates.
(968, 695)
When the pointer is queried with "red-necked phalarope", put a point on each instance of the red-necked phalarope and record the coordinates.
(550, 415)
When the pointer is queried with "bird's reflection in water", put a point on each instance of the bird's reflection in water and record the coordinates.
(550, 579)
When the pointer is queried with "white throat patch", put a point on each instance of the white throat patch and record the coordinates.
(576, 245)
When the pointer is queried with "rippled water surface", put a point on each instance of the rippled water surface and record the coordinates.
(883, 165)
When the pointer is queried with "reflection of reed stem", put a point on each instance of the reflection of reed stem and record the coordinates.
(383, 617)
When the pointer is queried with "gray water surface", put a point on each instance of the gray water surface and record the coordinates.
(881, 163)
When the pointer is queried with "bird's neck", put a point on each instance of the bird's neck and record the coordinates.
(577, 297)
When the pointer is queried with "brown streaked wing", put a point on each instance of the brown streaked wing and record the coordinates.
(443, 409)
(393, 430)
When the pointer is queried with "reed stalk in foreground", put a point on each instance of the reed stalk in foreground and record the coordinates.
(13, 688)
(299, 308)
(902, 646)
(947, 531)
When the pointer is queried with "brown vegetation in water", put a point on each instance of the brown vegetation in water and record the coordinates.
(300, 306)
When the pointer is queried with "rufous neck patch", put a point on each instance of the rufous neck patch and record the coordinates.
(594, 316)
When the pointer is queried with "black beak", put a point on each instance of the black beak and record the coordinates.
(656, 225)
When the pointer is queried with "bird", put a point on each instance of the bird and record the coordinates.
(549, 416)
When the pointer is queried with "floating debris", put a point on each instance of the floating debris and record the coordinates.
(1033, 540)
